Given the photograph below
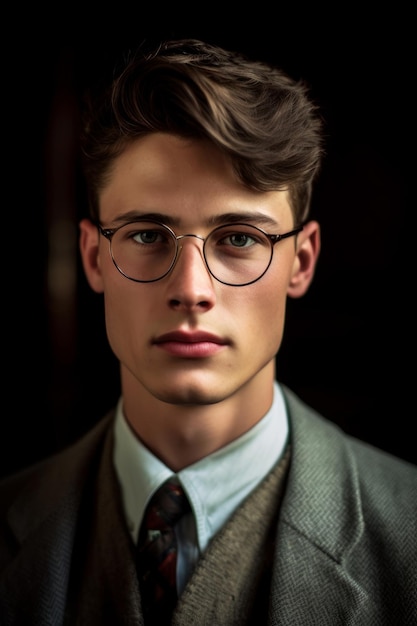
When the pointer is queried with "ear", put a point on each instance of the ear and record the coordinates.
(307, 252)
(89, 248)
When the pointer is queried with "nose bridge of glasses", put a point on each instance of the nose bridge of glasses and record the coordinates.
(179, 239)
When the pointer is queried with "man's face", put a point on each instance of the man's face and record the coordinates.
(187, 338)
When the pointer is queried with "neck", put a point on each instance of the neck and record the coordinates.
(180, 434)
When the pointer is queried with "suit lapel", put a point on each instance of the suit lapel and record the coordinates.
(321, 521)
(43, 521)
(108, 591)
(40, 572)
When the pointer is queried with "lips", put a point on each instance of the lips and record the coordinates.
(189, 337)
(198, 344)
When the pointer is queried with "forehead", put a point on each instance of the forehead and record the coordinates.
(187, 180)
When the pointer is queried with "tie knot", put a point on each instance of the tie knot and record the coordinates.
(168, 504)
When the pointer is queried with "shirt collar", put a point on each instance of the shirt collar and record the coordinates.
(215, 485)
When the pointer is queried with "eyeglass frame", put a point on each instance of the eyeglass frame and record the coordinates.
(108, 234)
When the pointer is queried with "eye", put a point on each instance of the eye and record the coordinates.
(143, 234)
(243, 237)
(147, 236)
(239, 240)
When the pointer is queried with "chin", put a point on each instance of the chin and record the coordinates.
(196, 395)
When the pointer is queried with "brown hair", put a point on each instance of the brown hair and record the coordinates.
(254, 112)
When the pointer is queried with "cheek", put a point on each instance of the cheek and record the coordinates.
(263, 308)
(269, 294)
(127, 312)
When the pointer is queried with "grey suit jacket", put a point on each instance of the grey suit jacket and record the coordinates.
(346, 540)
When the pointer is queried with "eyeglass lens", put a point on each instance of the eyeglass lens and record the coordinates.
(235, 254)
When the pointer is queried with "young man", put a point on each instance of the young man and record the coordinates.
(199, 165)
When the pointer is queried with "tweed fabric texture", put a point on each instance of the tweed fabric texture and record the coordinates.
(231, 583)
(342, 552)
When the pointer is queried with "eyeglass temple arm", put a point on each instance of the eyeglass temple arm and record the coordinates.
(291, 233)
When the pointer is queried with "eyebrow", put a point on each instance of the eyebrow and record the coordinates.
(233, 217)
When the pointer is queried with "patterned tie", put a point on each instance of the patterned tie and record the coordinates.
(157, 553)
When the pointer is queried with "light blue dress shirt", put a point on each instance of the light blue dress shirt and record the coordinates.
(215, 485)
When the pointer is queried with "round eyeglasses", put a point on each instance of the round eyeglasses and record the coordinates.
(235, 254)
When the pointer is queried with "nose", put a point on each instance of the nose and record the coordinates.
(190, 284)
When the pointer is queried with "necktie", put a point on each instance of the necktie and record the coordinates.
(157, 552)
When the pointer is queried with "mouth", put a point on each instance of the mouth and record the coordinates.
(190, 344)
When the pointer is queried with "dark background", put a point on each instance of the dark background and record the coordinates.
(349, 343)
